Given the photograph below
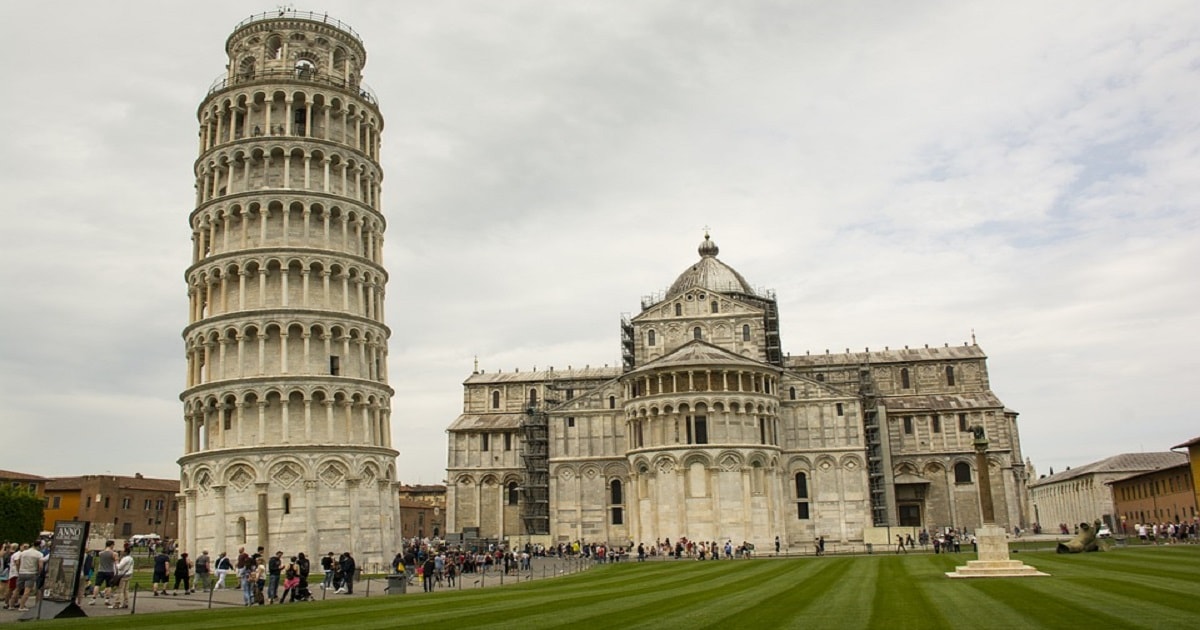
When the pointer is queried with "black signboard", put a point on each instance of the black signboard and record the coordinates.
(66, 558)
(62, 573)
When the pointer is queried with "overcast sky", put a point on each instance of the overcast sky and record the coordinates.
(900, 173)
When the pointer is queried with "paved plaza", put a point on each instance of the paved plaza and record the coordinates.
(231, 597)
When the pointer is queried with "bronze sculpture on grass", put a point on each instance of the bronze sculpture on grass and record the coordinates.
(1084, 541)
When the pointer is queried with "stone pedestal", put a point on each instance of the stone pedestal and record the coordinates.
(993, 558)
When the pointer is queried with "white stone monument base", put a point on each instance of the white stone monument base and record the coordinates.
(993, 558)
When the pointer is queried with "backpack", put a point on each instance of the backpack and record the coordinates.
(291, 572)
(202, 564)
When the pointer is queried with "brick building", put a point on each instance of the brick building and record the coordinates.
(117, 506)
(1166, 495)
(32, 483)
(1193, 454)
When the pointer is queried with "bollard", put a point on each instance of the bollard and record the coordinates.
(133, 606)
(368, 588)
(210, 596)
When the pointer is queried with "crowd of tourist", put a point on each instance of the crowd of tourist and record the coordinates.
(264, 580)
(1167, 533)
(23, 572)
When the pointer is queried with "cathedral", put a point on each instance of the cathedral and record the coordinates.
(709, 431)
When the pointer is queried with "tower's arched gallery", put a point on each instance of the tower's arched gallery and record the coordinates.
(287, 405)
(709, 431)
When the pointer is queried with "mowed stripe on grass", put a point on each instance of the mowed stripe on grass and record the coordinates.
(1129, 588)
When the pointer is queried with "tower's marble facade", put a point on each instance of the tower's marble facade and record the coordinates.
(287, 407)
(709, 431)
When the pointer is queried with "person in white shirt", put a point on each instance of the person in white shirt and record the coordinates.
(29, 566)
(124, 577)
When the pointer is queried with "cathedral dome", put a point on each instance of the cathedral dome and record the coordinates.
(711, 274)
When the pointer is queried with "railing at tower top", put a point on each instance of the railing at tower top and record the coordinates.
(300, 15)
(282, 74)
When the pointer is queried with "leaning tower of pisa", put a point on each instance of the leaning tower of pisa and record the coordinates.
(287, 407)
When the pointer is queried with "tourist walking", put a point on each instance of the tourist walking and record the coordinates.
(224, 566)
(348, 567)
(291, 581)
(159, 580)
(204, 572)
(245, 566)
(258, 576)
(427, 572)
(29, 566)
(183, 573)
(124, 577)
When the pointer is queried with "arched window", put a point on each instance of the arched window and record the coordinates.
(714, 307)
(746, 332)
(274, 47)
(617, 499)
(801, 485)
(287, 503)
(802, 496)
(241, 529)
(678, 309)
(496, 399)
(533, 396)
(513, 493)
(820, 378)
(840, 410)
(950, 375)
(650, 338)
(612, 402)
(792, 393)
(305, 68)
(962, 473)
(697, 333)
(904, 384)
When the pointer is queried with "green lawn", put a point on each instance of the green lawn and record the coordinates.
(1136, 587)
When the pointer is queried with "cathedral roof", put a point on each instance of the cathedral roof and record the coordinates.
(894, 355)
(539, 376)
(942, 402)
(710, 274)
(486, 422)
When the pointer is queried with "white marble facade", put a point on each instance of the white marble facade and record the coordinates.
(287, 438)
(709, 431)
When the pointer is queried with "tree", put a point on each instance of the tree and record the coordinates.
(20, 514)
